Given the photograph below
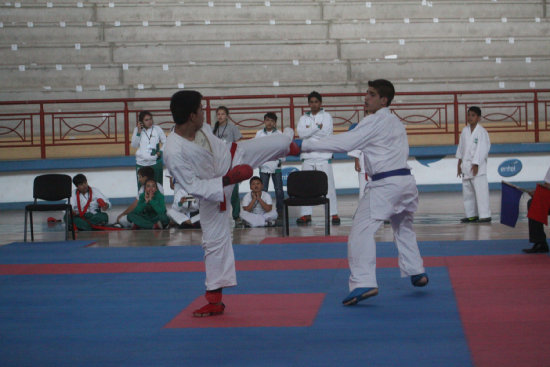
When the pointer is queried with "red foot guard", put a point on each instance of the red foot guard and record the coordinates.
(237, 174)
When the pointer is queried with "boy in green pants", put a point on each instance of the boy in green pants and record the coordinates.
(88, 205)
(150, 212)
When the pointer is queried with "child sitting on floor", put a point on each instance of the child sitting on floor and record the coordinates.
(88, 203)
(150, 211)
(257, 206)
(185, 208)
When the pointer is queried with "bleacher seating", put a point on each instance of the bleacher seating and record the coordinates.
(68, 49)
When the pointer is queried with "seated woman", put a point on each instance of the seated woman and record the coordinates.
(150, 211)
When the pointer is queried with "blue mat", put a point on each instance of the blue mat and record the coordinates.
(118, 319)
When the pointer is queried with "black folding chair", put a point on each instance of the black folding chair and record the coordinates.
(307, 188)
(51, 187)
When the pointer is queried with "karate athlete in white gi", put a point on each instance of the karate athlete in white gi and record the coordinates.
(315, 125)
(472, 153)
(207, 168)
(391, 193)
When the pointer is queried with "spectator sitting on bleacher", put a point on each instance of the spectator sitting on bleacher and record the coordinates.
(150, 212)
(88, 205)
(144, 173)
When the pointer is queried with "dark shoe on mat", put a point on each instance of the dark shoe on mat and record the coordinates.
(304, 219)
(484, 220)
(469, 220)
(420, 280)
(538, 248)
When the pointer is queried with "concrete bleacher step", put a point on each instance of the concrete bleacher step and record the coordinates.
(445, 28)
(334, 10)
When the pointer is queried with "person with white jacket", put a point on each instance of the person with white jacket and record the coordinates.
(472, 153)
(272, 168)
(149, 140)
(208, 168)
(314, 126)
(390, 194)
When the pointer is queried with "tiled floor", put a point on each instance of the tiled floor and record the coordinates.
(437, 219)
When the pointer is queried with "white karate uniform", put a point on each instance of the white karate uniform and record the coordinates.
(180, 213)
(308, 130)
(361, 174)
(473, 148)
(383, 140)
(94, 206)
(147, 140)
(258, 217)
(200, 173)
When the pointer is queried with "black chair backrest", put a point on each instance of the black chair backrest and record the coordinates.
(52, 187)
(307, 184)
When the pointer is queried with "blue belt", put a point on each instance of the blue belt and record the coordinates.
(395, 172)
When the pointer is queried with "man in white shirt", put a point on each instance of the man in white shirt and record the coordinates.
(314, 126)
(472, 153)
(390, 193)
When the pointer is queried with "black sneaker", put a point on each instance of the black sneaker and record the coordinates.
(484, 220)
(469, 220)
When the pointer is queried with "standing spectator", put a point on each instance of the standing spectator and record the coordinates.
(472, 153)
(272, 168)
(228, 132)
(536, 229)
(314, 126)
(147, 138)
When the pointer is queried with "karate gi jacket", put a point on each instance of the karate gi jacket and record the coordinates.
(473, 148)
(383, 140)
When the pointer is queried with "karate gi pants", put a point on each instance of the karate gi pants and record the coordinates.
(258, 220)
(362, 246)
(219, 258)
(331, 194)
(475, 193)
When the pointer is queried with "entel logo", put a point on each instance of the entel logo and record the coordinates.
(287, 171)
(510, 168)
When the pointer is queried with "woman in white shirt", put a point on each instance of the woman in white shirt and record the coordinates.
(149, 140)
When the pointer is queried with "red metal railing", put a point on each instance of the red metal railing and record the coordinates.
(432, 117)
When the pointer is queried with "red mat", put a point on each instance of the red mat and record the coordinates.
(504, 304)
(255, 310)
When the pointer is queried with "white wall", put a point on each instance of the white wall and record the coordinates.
(121, 182)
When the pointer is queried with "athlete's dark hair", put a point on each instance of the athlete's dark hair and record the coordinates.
(384, 88)
(314, 94)
(183, 104)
